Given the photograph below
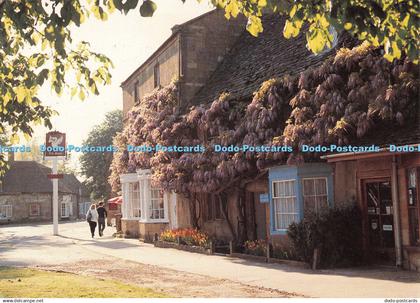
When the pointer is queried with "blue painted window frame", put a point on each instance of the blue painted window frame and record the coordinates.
(298, 173)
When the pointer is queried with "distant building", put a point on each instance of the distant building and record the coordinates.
(26, 194)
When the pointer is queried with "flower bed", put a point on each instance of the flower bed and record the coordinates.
(186, 236)
(256, 250)
(196, 249)
(187, 239)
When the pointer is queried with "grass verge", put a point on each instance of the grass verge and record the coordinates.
(31, 283)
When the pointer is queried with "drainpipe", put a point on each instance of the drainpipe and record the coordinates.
(395, 204)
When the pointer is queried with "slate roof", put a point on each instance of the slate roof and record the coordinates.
(31, 177)
(74, 184)
(396, 135)
(254, 60)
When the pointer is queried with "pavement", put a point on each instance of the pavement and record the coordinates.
(31, 245)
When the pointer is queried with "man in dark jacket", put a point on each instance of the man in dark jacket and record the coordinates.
(102, 214)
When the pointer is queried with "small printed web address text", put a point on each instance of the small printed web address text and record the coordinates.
(215, 148)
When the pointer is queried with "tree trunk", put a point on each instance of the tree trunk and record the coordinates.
(193, 211)
(226, 217)
(252, 226)
(242, 222)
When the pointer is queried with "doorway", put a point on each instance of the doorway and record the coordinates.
(380, 220)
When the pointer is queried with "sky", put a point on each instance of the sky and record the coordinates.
(128, 40)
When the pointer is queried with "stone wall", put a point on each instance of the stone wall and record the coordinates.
(219, 228)
(345, 183)
(183, 212)
(204, 43)
(167, 60)
(191, 54)
(130, 228)
(147, 231)
(22, 204)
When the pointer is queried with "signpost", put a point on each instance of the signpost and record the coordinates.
(55, 143)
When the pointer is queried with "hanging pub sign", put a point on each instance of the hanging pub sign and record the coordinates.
(55, 144)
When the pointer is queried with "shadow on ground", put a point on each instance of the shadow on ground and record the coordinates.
(368, 272)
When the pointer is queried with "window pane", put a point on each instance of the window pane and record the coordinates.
(314, 194)
(321, 186)
(412, 178)
(321, 202)
(385, 196)
(309, 204)
(308, 187)
(285, 206)
(284, 189)
(156, 204)
(290, 188)
(276, 189)
(414, 225)
(278, 220)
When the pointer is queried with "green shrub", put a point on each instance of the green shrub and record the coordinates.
(256, 247)
(337, 232)
(283, 253)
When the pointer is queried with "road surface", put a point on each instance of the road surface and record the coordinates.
(34, 245)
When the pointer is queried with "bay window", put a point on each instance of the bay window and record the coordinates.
(157, 209)
(296, 190)
(141, 200)
(134, 199)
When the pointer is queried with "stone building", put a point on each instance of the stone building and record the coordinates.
(26, 194)
(209, 60)
(191, 54)
(384, 185)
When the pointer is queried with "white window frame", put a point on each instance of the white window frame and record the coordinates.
(66, 210)
(276, 212)
(6, 211)
(144, 206)
(38, 206)
(317, 208)
(145, 178)
(68, 204)
(126, 207)
(155, 203)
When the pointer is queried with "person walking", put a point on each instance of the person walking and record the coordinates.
(92, 218)
(102, 214)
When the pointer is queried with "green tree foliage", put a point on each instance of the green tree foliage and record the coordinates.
(36, 44)
(95, 165)
(392, 24)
